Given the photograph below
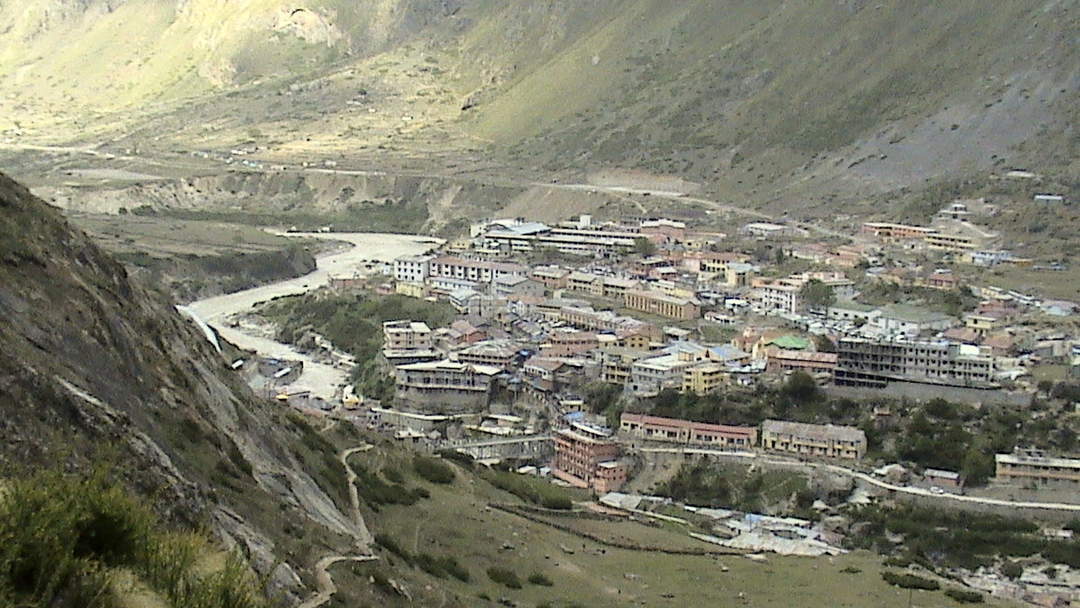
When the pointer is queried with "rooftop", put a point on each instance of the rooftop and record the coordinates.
(451, 366)
(790, 342)
(686, 424)
(912, 314)
(821, 432)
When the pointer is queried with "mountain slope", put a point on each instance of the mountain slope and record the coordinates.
(694, 87)
(770, 101)
(94, 366)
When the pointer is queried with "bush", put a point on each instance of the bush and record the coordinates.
(964, 596)
(561, 503)
(462, 459)
(433, 470)
(387, 542)
(909, 581)
(1012, 570)
(504, 576)
(537, 578)
(60, 535)
(531, 490)
(374, 491)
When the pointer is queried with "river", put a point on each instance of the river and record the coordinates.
(322, 379)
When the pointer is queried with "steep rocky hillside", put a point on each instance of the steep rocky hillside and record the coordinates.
(95, 367)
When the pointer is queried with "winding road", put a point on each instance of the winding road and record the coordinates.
(1049, 506)
(324, 581)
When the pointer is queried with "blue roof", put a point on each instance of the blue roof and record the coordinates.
(727, 352)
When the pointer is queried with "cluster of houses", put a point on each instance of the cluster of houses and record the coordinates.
(649, 305)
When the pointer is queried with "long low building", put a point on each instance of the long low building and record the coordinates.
(658, 303)
(1034, 467)
(874, 364)
(676, 430)
(806, 439)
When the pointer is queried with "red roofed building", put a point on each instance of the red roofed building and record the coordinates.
(675, 430)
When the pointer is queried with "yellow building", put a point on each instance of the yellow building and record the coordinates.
(983, 323)
(704, 378)
(413, 290)
(951, 242)
(658, 303)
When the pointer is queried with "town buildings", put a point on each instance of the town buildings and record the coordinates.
(411, 268)
(520, 236)
(477, 271)
(893, 232)
(406, 335)
(910, 321)
(587, 458)
(674, 430)
(1033, 467)
(444, 386)
(785, 295)
(813, 439)
(658, 303)
(876, 363)
(799, 360)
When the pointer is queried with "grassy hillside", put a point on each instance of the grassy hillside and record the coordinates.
(584, 558)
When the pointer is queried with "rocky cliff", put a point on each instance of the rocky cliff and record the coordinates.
(96, 367)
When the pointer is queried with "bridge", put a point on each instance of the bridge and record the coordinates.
(523, 446)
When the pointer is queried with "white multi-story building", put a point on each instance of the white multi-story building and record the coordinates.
(411, 268)
(472, 270)
(785, 295)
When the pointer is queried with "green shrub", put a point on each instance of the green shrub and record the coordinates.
(429, 564)
(504, 576)
(538, 578)
(433, 470)
(557, 502)
(964, 596)
(462, 459)
(530, 489)
(387, 542)
(909, 581)
(60, 536)
(1012, 570)
(393, 475)
(374, 491)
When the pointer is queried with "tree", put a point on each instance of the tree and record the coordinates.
(644, 247)
(817, 295)
(977, 468)
(1012, 570)
(824, 344)
(801, 387)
